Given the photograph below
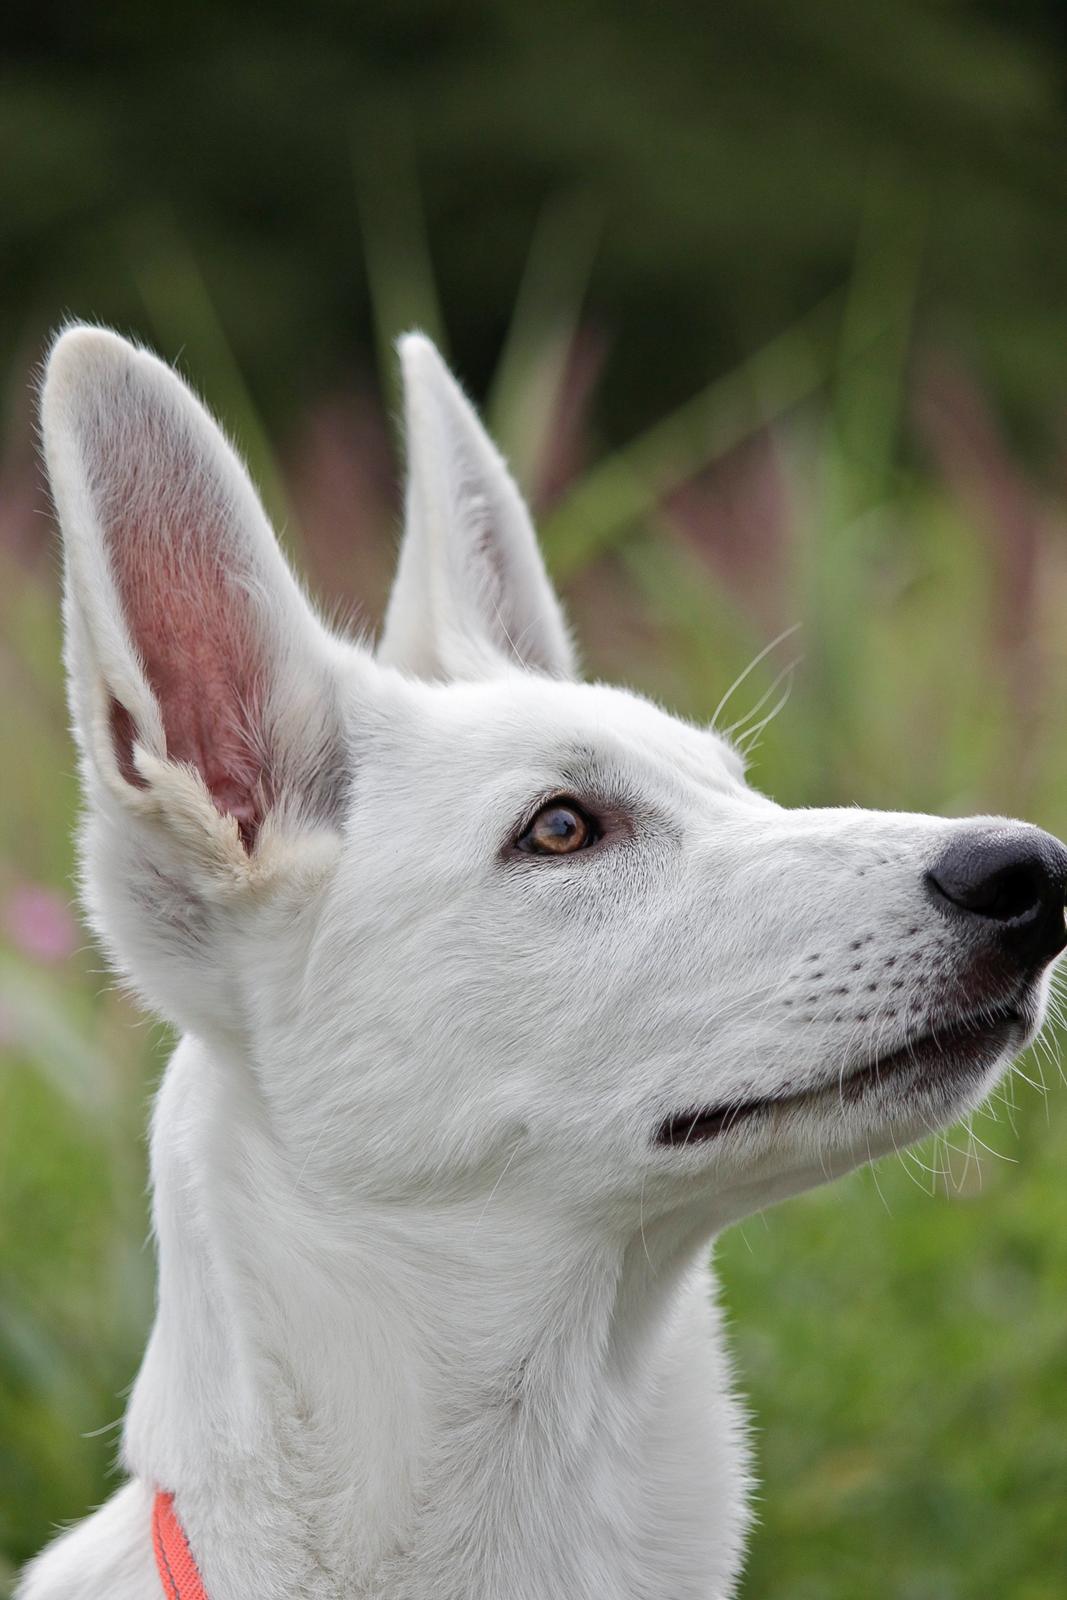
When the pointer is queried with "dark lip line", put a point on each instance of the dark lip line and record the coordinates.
(701, 1123)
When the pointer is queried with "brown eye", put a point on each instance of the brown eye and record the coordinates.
(559, 829)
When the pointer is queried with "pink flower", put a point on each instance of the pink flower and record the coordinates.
(38, 923)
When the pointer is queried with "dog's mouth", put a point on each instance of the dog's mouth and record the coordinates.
(931, 1060)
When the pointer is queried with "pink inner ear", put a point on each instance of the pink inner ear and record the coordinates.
(192, 620)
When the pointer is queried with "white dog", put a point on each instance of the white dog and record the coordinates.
(500, 995)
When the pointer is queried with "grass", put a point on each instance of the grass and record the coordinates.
(904, 1353)
(900, 1335)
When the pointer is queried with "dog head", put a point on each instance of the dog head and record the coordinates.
(451, 910)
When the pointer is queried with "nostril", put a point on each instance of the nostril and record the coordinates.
(1011, 893)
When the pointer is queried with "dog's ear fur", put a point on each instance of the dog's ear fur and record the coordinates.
(203, 689)
(471, 596)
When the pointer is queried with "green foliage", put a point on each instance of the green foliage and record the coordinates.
(726, 151)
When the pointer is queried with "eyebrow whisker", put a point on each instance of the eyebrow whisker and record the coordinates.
(753, 664)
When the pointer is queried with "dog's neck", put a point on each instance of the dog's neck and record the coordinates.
(441, 1402)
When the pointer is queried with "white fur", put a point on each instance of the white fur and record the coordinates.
(434, 1318)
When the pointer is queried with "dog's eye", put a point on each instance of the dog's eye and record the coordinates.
(559, 829)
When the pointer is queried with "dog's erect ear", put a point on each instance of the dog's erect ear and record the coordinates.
(202, 686)
(471, 595)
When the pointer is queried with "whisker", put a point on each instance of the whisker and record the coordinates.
(751, 736)
(753, 664)
(736, 727)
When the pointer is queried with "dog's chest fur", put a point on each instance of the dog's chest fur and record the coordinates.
(336, 1428)
(448, 1407)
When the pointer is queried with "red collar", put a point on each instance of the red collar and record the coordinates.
(178, 1572)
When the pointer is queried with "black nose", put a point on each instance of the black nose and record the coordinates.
(1014, 879)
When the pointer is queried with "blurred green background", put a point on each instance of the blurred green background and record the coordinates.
(766, 303)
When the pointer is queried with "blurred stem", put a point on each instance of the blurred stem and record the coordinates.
(532, 367)
(857, 459)
(185, 319)
(400, 274)
(41, 1016)
(703, 627)
(625, 487)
